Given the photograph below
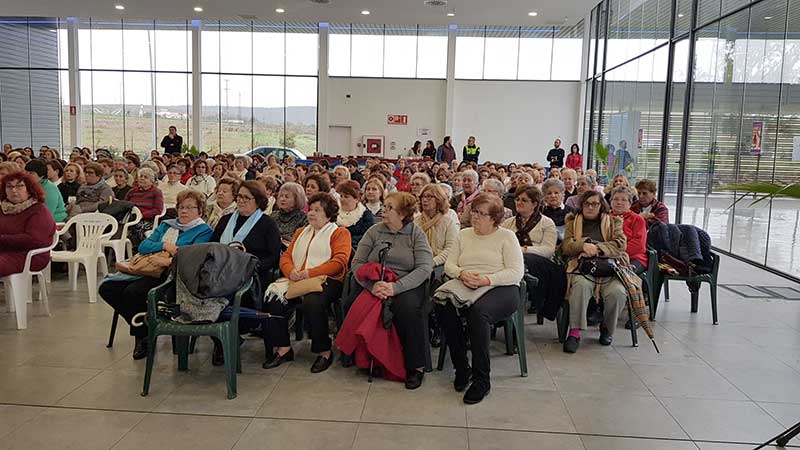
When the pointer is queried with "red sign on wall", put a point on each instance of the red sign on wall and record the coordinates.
(73, 110)
(397, 119)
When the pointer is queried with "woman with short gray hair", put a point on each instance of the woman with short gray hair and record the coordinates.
(463, 201)
(553, 202)
(148, 198)
(584, 183)
(289, 213)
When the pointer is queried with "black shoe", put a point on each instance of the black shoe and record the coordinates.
(140, 349)
(218, 356)
(321, 364)
(277, 360)
(436, 341)
(462, 379)
(476, 392)
(571, 345)
(346, 360)
(414, 379)
(532, 308)
(605, 338)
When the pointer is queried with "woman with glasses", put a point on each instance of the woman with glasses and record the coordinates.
(201, 181)
(255, 232)
(128, 294)
(593, 233)
(171, 187)
(484, 256)
(224, 201)
(585, 183)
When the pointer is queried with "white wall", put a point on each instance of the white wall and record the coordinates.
(515, 120)
(371, 100)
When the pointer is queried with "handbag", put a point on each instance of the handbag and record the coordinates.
(151, 265)
(597, 266)
(307, 286)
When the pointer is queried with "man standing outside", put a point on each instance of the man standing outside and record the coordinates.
(172, 142)
(556, 155)
(471, 151)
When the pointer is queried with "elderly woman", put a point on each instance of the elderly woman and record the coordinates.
(461, 202)
(410, 258)
(373, 196)
(648, 206)
(404, 179)
(93, 193)
(315, 184)
(353, 215)
(273, 169)
(150, 201)
(72, 181)
(218, 171)
(484, 255)
(617, 181)
(201, 181)
(537, 236)
(591, 233)
(128, 294)
(239, 170)
(25, 223)
(633, 225)
(554, 206)
(498, 189)
(290, 175)
(585, 183)
(121, 186)
(53, 199)
(418, 181)
(289, 214)
(54, 171)
(7, 167)
(439, 227)
(172, 186)
(320, 248)
(569, 177)
(224, 201)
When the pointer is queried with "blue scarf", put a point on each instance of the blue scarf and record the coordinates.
(228, 236)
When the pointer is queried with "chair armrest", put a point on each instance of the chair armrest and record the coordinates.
(237, 299)
(39, 251)
(156, 294)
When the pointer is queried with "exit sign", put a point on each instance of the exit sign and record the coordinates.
(397, 119)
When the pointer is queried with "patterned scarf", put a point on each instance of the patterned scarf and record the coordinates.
(466, 201)
(10, 209)
(428, 226)
(524, 229)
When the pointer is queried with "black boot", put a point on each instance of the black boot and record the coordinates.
(140, 349)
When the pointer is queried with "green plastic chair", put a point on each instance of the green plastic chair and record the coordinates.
(513, 327)
(661, 279)
(227, 332)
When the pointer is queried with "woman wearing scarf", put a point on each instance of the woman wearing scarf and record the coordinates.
(224, 201)
(250, 227)
(354, 215)
(462, 202)
(537, 236)
(25, 223)
(93, 193)
(320, 248)
(438, 226)
(127, 294)
(289, 214)
(201, 181)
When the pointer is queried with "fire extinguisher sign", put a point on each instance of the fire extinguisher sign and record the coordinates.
(397, 119)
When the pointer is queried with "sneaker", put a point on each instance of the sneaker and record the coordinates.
(571, 344)
(462, 379)
(476, 392)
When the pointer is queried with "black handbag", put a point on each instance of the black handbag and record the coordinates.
(597, 266)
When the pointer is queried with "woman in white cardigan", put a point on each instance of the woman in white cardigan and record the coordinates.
(537, 236)
(485, 256)
(439, 227)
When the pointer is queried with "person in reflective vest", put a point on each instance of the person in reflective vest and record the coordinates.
(471, 151)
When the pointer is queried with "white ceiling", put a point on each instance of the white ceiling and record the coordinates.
(468, 12)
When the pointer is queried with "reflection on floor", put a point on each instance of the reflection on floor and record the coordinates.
(713, 387)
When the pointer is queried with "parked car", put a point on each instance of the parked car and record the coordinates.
(279, 152)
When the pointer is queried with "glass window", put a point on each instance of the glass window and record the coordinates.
(567, 52)
(367, 51)
(339, 50)
(211, 113)
(302, 49)
(108, 111)
(173, 104)
(470, 45)
(139, 46)
(106, 45)
(432, 53)
(43, 43)
(400, 52)
(536, 53)
(501, 54)
(236, 113)
(301, 114)
(269, 48)
(268, 110)
(209, 48)
(173, 46)
(139, 111)
(235, 47)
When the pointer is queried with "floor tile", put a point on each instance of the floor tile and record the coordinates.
(40, 385)
(519, 409)
(405, 437)
(12, 417)
(60, 429)
(195, 432)
(687, 381)
(617, 443)
(122, 390)
(321, 397)
(434, 403)
(591, 379)
(767, 384)
(297, 435)
(522, 440)
(78, 353)
(787, 414)
(721, 420)
(621, 415)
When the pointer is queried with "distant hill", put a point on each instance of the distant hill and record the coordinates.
(296, 114)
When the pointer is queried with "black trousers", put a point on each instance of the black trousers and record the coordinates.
(315, 310)
(496, 305)
(548, 296)
(129, 298)
(409, 309)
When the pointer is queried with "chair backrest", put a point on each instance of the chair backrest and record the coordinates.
(90, 229)
(134, 218)
(156, 218)
(39, 251)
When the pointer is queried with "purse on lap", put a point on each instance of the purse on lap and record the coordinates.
(307, 286)
(145, 265)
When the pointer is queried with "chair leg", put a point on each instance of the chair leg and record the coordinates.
(192, 343)
(16, 295)
(634, 336)
(427, 336)
(29, 289)
(91, 278)
(713, 287)
(519, 326)
(695, 296)
(129, 248)
(182, 342)
(113, 330)
(148, 371)
(230, 364)
(562, 322)
(666, 290)
(442, 353)
(103, 264)
(73, 275)
(508, 332)
(43, 294)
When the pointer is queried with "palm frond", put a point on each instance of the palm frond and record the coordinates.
(767, 191)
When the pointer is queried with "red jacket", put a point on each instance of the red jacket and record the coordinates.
(150, 202)
(574, 161)
(19, 233)
(636, 231)
(659, 210)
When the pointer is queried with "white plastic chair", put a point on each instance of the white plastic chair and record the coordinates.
(19, 286)
(155, 221)
(123, 244)
(90, 230)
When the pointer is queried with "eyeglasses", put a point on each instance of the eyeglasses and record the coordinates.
(12, 187)
(522, 200)
(186, 208)
(427, 197)
(480, 213)
(244, 197)
(592, 204)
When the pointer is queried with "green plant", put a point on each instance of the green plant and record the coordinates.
(601, 151)
(193, 150)
(764, 191)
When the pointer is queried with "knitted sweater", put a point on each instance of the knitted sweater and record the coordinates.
(635, 230)
(336, 267)
(496, 255)
(53, 200)
(150, 201)
(170, 192)
(20, 233)
(543, 236)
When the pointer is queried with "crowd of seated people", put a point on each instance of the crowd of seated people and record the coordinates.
(483, 226)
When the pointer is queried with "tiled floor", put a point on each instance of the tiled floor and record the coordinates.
(729, 386)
